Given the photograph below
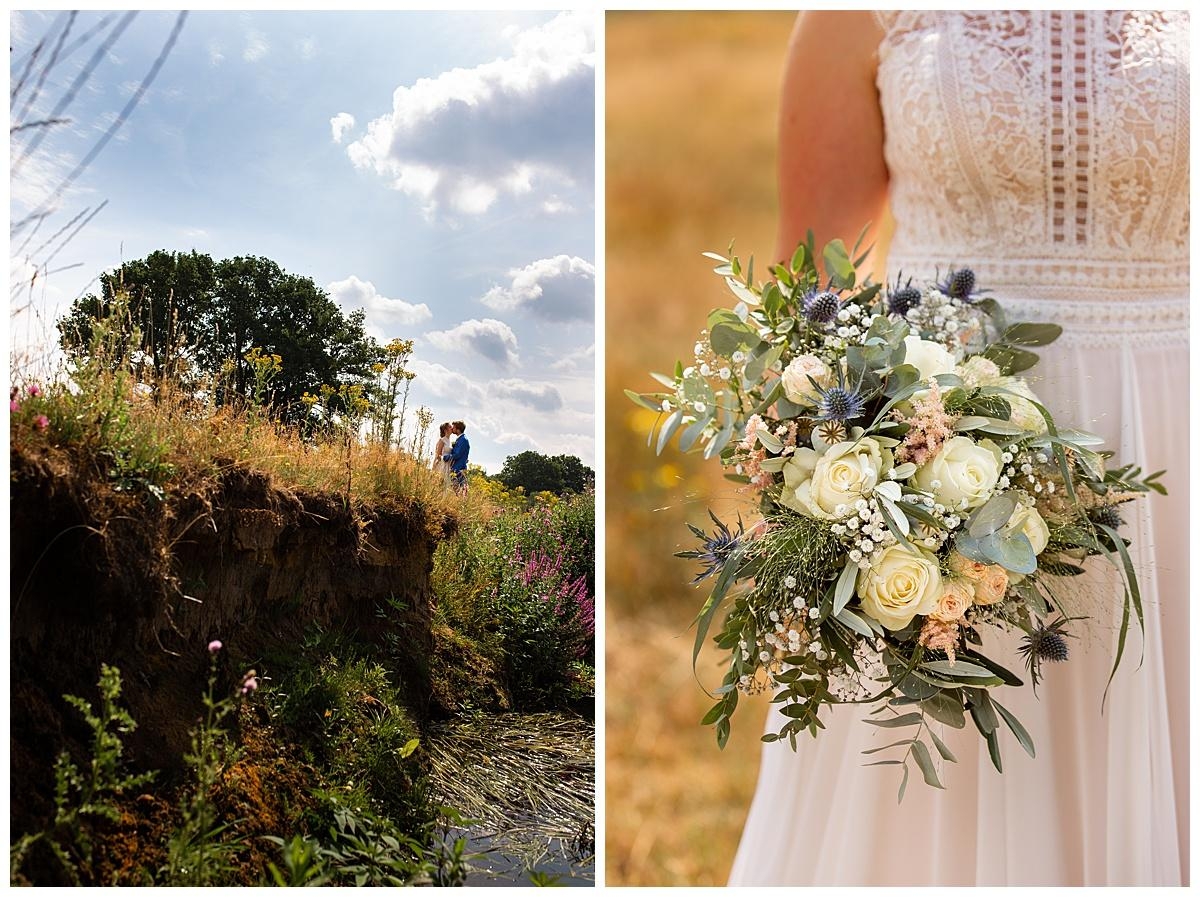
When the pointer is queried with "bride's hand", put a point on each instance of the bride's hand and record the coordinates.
(832, 174)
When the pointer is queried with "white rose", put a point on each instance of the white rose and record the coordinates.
(963, 469)
(1025, 519)
(956, 597)
(900, 585)
(814, 484)
(796, 385)
(979, 371)
(927, 357)
(1024, 415)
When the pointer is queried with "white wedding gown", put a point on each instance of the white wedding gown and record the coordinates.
(1048, 151)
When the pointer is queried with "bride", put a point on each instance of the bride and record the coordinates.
(445, 441)
(1048, 151)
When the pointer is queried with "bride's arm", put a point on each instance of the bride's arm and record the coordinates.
(832, 175)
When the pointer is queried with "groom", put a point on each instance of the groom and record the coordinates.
(458, 456)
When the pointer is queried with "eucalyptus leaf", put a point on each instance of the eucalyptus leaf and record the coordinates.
(896, 722)
(643, 401)
(744, 294)
(727, 338)
(668, 429)
(1017, 729)
(1031, 334)
(853, 621)
(769, 440)
(958, 670)
(941, 748)
(845, 588)
(992, 516)
(692, 433)
(925, 762)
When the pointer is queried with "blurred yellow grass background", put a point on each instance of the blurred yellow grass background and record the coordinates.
(691, 104)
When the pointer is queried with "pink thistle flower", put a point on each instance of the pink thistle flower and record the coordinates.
(14, 406)
(34, 391)
(214, 646)
(41, 422)
(250, 685)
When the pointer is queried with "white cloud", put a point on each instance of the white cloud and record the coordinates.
(256, 47)
(558, 289)
(445, 383)
(340, 124)
(582, 360)
(467, 137)
(383, 312)
(555, 206)
(490, 338)
(307, 47)
(215, 56)
(537, 396)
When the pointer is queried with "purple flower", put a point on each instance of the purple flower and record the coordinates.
(249, 684)
(41, 422)
(34, 391)
(214, 646)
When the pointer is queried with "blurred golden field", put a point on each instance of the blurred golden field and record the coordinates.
(691, 101)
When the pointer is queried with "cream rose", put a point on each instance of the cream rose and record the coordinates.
(929, 358)
(796, 385)
(979, 371)
(814, 484)
(963, 470)
(900, 585)
(956, 597)
(1023, 414)
(1027, 520)
(965, 567)
(992, 586)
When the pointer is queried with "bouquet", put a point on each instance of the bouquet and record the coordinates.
(913, 490)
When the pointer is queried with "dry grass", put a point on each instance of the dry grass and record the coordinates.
(145, 436)
(691, 109)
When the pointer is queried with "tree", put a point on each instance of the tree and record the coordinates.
(212, 314)
(169, 294)
(543, 473)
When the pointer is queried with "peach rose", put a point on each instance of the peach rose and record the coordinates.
(992, 586)
(956, 597)
(964, 566)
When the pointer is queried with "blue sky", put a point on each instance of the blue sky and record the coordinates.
(434, 169)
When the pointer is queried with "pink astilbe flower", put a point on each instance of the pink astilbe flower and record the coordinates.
(938, 635)
(929, 426)
(753, 425)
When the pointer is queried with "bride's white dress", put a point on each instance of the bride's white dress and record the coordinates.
(1048, 151)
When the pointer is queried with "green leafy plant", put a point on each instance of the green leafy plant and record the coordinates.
(83, 796)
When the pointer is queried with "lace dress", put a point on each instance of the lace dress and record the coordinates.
(1048, 151)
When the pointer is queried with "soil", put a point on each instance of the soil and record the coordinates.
(142, 584)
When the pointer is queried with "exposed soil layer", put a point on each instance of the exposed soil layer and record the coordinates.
(101, 576)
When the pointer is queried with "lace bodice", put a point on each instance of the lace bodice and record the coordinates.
(1048, 150)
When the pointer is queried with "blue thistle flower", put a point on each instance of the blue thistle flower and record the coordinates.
(901, 299)
(840, 403)
(1044, 644)
(1107, 515)
(716, 548)
(960, 284)
(822, 307)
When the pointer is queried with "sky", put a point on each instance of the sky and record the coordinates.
(433, 169)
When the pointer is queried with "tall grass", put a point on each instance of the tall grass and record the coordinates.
(143, 433)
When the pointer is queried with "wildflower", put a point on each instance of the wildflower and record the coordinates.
(214, 646)
(34, 390)
(14, 406)
(41, 422)
(250, 682)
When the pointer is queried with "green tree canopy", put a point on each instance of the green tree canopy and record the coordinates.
(536, 472)
(188, 308)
